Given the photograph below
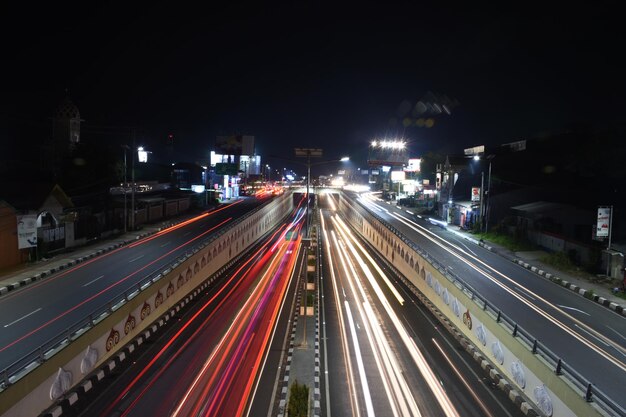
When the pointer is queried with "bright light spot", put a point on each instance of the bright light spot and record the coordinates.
(337, 182)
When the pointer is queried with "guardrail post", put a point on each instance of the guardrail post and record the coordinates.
(40, 356)
(4, 378)
(558, 368)
(515, 330)
(498, 318)
(485, 305)
(535, 346)
(589, 393)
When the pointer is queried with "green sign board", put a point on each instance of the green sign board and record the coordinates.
(226, 169)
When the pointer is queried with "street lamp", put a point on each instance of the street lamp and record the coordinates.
(312, 153)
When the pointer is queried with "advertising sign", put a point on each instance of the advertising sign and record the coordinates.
(26, 231)
(602, 226)
(413, 165)
(397, 175)
(475, 193)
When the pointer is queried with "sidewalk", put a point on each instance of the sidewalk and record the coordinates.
(581, 282)
(28, 273)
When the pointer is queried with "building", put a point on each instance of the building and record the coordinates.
(233, 161)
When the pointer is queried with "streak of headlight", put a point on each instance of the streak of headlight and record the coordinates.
(537, 309)
(342, 226)
(344, 339)
(331, 201)
(392, 365)
(359, 359)
(428, 374)
(348, 274)
(467, 385)
(402, 395)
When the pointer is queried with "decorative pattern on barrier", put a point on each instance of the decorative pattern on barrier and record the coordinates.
(560, 367)
(18, 369)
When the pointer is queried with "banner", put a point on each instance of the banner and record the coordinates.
(475, 193)
(26, 231)
(602, 226)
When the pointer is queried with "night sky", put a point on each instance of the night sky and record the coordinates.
(316, 74)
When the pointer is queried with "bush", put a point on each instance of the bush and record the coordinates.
(298, 400)
(559, 260)
(310, 299)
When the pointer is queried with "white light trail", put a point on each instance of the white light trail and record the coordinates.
(419, 360)
(532, 306)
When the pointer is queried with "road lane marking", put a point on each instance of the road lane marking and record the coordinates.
(523, 292)
(93, 280)
(187, 234)
(23, 317)
(410, 212)
(467, 247)
(166, 243)
(592, 335)
(616, 332)
(575, 309)
(133, 260)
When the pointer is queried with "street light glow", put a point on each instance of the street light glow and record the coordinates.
(392, 144)
(345, 159)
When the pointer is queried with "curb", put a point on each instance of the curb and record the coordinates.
(284, 390)
(40, 275)
(588, 294)
(618, 308)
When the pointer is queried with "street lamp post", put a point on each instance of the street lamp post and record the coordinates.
(488, 211)
(125, 147)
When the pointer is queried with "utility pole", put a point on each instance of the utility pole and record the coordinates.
(608, 248)
(308, 153)
(132, 204)
(482, 198)
(488, 211)
(125, 187)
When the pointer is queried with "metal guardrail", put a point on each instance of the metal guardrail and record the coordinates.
(27, 363)
(560, 367)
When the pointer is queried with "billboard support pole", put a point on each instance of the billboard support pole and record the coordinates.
(608, 248)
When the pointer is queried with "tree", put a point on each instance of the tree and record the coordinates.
(298, 400)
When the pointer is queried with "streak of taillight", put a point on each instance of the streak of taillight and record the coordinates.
(182, 224)
(85, 301)
(230, 334)
(273, 318)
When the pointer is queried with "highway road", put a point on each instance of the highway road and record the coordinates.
(39, 311)
(584, 334)
(386, 355)
(221, 356)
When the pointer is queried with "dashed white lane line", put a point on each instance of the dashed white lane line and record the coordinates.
(134, 259)
(166, 243)
(22, 318)
(523, 292)
(574, 309)
(93, 280)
